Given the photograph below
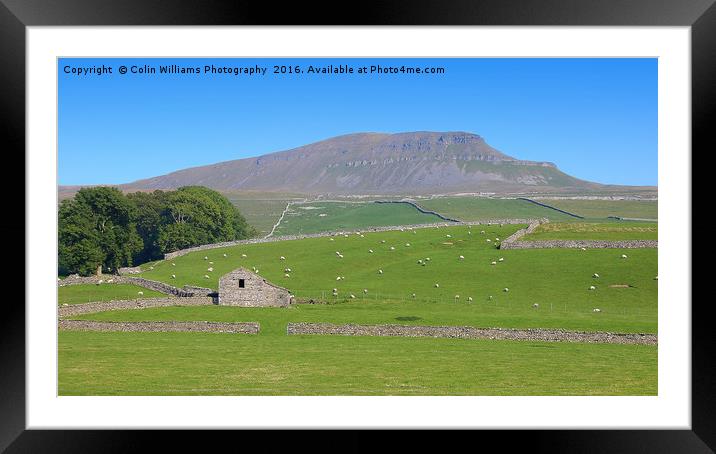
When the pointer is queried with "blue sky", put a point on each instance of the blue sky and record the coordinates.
(595, 118)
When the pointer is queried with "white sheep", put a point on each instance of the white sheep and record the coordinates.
(501, 259)
(392, 248)
(352, 295)
(206, 276)
(206, 258)
(100, 281)
(624, 256)
(535, 305)
(340, 256)
(380, 271)
(448, 236)
(427, 259)
(335, 290)
(482, 232)
(287, 270)
(174, 276)
(596, 310)
(505, 289)
(282, 258)
(407, 244)
(338, 278)
(174, 264)
(338, 252)
(437, 285)
(489, 240)
(286, 275)
(591, 287)
(151, 267)
(489, 297)
(413, 295)
(243, 255)
(224, 255)
(365, 290)
(140, 293)
(493, 263)
(583, 248)
(497, 239)
(331, 239)
(595, 275)
(382, 241)
(211, 263)
(462, 257)
(110, 281)
(656, 278)
(210, 269)
(370, 251)
(469, 299)
(420, 262)
(457, 297)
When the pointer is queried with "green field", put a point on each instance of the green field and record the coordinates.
(621, 230)
(483, 208)
(85, 293)
(273, 363)
(639, 209)
(261, 209)
(335, 216)
(225, 364)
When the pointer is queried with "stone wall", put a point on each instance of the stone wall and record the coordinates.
(186, 291)
(204, 247)
(130, 270)
(170, 326)
(71, 310)
(468, 332)
(522, 232)
(588, 244)
(419, 208)
(257, 291)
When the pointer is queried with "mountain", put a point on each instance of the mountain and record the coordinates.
(374, 163)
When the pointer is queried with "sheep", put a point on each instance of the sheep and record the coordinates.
(656, 278)
(340, 256)
(243, 256)
(211, 263)
(206, 276)
(343, 278)
(100, 281)
(287, 270)
(457, 297)
(596, 310)
(174, 276)
(595, 275)
(346, 236)
(370, 251)
(591, 287)
(489, 240)
(535, 305)
(462, 257)
(110, 281)
(140, 293)
(501, 259)
(420, 262)
(352, 296)
(365, 290)
(469, 233)
(448, 236)
(493, 263)
(151, 267)
(392, 248)
(427, 259)
(362, 236)
(407, 244)
(482, 232)
(225, 255)
(505, 289)
(331, 239)
(437, 285)
(380, 271)
(624, 256)
(338, 278)
(489, 297)
(286, 275)
(497, 239)
(174, 264)
(282, 258)
(206, 258)
(583, 248)
(469, 299)
(412, 295)
(210, 269)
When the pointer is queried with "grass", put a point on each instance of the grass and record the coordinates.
(640, 209)
(556, 278)
(483, 208)
(85, 293)
(335, 216)
(223, 364)
(622, 230)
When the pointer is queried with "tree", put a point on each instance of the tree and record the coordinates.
(97, 231)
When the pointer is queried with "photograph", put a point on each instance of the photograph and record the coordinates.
(357, 226)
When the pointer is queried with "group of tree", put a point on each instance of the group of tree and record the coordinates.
(101, 229)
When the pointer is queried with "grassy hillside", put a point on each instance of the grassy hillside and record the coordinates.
(335, 216)
(557, 279)
(482, 208)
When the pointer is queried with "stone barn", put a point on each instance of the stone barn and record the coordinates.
(244, 288)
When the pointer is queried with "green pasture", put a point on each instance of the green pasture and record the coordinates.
(618, 230)
(483, 208)
(86, 293)
(639, 209)
(334, 216)
(233, 364)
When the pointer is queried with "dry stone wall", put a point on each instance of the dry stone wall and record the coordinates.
(587, 244)
(186, 291)
(204, 327)
(468, 332)
(71, 310)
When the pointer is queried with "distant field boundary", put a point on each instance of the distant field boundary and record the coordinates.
(587, 244)
(163, 327)
(550, 207)
(419, 208)
(161, 287)
(469, 332)
(71, 310)
(204, 247)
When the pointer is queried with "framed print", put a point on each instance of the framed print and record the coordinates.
(250, 219)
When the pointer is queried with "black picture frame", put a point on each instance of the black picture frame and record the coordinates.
(16, 15)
